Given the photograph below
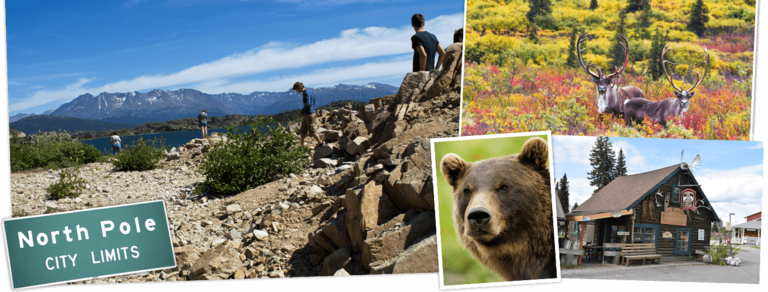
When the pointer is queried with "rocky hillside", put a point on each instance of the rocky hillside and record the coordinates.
(364, 207)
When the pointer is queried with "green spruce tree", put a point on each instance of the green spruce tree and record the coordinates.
(533, 33)
(572, 60)
(636, 5)
(538, 8)
(593, 5)
(698, 18)
(602, 158)
(618, 50)
(563, 193)
(621, 164)
(576, 205)
(655, 69)
(645, 22)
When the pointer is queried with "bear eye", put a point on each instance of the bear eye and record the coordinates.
(504, 188)
(466, 192)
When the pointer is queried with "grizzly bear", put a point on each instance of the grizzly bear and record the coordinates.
(503, 211)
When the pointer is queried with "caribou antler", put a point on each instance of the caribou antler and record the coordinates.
(706, 69)
(701, 206)
(624, 43)
(664, 65)
(582, 38)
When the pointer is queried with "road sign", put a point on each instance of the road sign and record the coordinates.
(79, 245)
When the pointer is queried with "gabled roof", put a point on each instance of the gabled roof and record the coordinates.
(749, 225)
(624, 191)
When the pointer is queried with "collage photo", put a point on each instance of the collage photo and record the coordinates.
(471, 145)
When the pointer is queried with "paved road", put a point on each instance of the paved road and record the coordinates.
(747, 272)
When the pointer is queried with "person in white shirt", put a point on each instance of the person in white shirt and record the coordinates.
(115, 141)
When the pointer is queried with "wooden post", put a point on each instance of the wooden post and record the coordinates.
(632, 230)
(582, 226)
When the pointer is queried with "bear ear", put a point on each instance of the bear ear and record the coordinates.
(534, 153)
(452, 167)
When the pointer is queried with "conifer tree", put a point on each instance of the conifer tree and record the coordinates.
(655, 69)
(576, 205)
(636, 5)
(593, 5)
(645, 22)
(533, 32)
(563, 193)
(602, 158)
(698, 18)
(538, 7)
(621, 164)
(572, 60)
(618, 51)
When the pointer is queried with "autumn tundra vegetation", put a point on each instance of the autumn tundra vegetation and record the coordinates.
(533, 64)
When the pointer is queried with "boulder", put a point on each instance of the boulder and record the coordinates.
(386, 241)
(375, 207)
(336, 231)
(421, 257)
(324, 151)
(223, 259)
(359, 145)
(411, 82)
(335, 261)
(325, 162)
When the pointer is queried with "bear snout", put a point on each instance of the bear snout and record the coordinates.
(479, 216)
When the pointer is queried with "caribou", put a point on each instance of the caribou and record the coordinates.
(639, 109)
(610, 98)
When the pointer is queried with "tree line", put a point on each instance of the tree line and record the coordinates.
(606, 166)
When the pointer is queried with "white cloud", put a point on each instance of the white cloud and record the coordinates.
(758, 145)
(573, 148)
(319, 78)
(742, 185)
(351, 44)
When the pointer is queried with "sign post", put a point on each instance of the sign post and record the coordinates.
(79, 245)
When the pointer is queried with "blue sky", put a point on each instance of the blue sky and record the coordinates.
(58, 50)
(730, 173)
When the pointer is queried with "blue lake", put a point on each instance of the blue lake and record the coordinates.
(173, 139)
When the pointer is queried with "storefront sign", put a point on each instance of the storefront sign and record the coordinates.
(622, 233)
(667, 234)
(674, 216)
(79, 245)
(701, 234)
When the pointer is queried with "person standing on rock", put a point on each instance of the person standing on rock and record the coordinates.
(202, 119)
(424, 45)
(456, 46)
(307, 113)
(115, 141)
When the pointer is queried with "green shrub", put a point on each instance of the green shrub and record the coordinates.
(53, 152)
(722, 252)
(140, 155)
(69, 184)
(251, 158)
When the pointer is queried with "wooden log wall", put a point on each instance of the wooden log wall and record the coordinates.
(666, 246)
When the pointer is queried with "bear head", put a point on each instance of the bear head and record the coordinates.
(502, 206)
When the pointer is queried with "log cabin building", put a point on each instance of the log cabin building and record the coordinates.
(666, 207)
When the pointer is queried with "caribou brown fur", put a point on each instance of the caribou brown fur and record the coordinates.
(637, 110)
(610, 97)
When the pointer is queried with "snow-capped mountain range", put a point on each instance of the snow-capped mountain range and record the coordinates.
(162, 105)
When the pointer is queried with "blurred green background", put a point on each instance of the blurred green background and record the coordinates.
(459, 267)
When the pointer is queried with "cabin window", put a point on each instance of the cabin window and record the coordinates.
(645, 233)
(675, 196)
